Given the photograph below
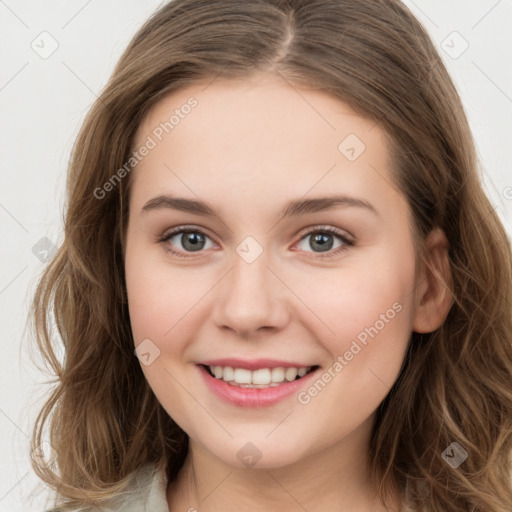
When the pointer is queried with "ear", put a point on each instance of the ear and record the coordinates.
(433, 298)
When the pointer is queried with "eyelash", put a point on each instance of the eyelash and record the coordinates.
(315, 230)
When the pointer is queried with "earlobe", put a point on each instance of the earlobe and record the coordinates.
(433, 297)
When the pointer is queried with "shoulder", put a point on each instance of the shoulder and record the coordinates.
(147, 491)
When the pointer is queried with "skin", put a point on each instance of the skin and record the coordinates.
(247, 149)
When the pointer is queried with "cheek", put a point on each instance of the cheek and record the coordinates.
(369, 306)
(162, 304)
(370, 310)
(163, 300)
(147, 288)
(347, 302)
(156, 302)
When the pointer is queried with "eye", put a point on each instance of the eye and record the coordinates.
(190, 239)
(322, 239)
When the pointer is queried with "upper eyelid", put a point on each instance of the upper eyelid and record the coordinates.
(180, 229)
(324, 227)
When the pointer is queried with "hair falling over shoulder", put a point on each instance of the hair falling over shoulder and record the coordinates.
(103, 420)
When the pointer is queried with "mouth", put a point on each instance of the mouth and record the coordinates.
(260, 378)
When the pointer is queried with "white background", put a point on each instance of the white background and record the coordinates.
(43, 102)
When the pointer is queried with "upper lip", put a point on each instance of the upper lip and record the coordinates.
(253, 364)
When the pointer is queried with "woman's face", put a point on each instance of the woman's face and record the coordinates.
(297, 255)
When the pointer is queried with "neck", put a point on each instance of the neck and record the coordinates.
(334, 475)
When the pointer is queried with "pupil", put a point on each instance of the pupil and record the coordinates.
(193, 240)
(324, 241)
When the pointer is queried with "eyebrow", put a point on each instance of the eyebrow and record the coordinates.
(296, 207)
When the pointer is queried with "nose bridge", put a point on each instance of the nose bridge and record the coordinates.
(251, 296)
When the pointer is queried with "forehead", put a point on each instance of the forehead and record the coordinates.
(259, 137)
(255, 108)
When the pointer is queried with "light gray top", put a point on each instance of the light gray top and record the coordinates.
(146, 494)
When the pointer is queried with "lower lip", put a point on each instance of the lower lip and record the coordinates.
(253, 397)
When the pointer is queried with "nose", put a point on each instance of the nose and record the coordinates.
(251, 300)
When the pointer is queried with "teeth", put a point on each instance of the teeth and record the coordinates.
(227, 373)
(277, 374)
(290, 374)
(263, 377)
(242, 376)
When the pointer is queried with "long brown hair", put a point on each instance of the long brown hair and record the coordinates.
(455, 386)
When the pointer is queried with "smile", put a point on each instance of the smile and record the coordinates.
(260, 387)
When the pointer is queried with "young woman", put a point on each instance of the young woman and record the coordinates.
(281, 286)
